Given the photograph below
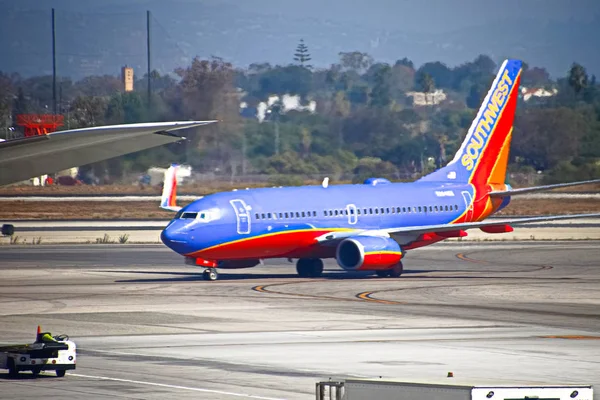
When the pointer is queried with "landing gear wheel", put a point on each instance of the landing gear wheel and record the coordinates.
(61, 372)
(12, 369)
(303, 267)
(382, 273)
(316, 267)
(397, 270)
(309, 267)
(36, 371)
(210, 274)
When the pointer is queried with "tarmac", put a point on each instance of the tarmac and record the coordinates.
(148, 327)
(148, 231)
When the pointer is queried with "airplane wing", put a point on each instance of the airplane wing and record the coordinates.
(514, 192)
(440, 228)
(22, 159)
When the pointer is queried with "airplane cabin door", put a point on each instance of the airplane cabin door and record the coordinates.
(468, 205)
(242, 216)
(352, 214)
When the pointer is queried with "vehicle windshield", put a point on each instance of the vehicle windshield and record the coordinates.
(202, 216)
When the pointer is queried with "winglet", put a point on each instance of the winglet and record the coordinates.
(325, 182)
(169, 194)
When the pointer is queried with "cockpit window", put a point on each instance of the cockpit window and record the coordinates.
(189, 215)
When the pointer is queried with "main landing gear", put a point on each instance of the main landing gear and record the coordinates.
(210, 274)
(393, 272)
(309, 267)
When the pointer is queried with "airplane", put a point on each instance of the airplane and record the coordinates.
(26, 158)
(365, 227)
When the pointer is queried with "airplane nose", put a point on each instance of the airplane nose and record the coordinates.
(176, 239)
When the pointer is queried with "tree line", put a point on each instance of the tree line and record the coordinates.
(366, 121)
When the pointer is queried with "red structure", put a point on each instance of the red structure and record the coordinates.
(39, 124)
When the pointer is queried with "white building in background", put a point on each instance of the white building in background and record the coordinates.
(427, 99)
(528, 93)
(288, 103)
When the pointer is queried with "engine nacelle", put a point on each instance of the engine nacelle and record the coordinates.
(368, 253)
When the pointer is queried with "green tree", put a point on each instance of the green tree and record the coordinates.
(355, 60)
(380, 94)
(302, 55)
(578, 78)
(439, 72)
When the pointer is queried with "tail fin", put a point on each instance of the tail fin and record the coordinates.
(169, 194)
(483, 156)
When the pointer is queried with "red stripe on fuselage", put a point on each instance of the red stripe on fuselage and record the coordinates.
(281, 244)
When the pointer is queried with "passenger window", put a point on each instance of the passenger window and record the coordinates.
(398, 210)
(377, 211)
(404, 209)
(303, 215)
(263, 216)
(358, 211)
(430, 209)
(286, 215)
(257, 216)
(435, 208)
(297, 214)
(455, 207)
(419, 208)
(387, 210)
(336, 212)
(269, 215)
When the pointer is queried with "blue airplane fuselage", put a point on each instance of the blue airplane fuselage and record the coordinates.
(283, 221)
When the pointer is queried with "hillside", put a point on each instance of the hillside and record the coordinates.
(98, 38)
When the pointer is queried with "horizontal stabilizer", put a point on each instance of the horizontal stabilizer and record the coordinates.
(544, 188)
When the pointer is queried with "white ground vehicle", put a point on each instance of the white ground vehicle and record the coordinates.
(47, 353)
(450, 389)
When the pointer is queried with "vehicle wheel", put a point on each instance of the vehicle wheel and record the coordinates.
(303, 267)
(382, 273)
(12, 369)
(316, 268)
(36, 371)
(8, 230)
(397, 270)
(61, 372)
(210, 274)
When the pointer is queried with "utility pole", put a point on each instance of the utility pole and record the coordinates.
(148, 49)
(53, 63)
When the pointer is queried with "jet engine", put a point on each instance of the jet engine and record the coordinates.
(368, 253)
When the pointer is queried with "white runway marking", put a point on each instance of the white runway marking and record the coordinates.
(193, 389)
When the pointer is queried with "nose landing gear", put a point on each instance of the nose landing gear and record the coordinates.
(210, 274)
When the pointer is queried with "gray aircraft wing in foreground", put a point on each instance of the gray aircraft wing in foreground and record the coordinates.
(23, 159)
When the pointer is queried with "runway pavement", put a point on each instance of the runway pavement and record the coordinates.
(148, 231)
(149, 327)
